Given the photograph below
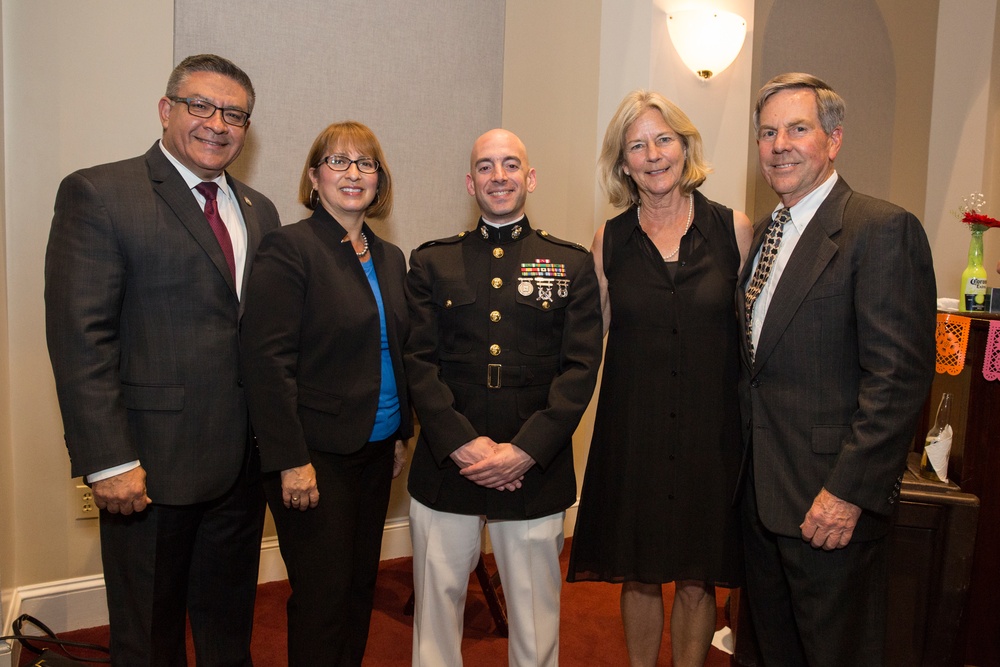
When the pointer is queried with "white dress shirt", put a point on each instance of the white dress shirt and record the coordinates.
(802, 214)
(229, 210)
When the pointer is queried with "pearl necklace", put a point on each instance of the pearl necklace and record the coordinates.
(667, 258)
(364, 251)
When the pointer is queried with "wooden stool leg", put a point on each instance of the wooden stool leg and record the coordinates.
(408, 607)
(490, 586)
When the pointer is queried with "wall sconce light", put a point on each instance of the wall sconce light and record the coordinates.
(707, 40)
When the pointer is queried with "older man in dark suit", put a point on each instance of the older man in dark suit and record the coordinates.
(145, 266)
(838, 359)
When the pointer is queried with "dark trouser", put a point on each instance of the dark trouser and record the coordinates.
(200, 559)
(814, 607)
(332, 554)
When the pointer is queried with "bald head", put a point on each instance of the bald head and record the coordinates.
(500, 177)
(498, 141)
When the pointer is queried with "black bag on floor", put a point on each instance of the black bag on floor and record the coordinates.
(48, 657)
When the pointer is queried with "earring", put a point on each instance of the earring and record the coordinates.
(314, 198)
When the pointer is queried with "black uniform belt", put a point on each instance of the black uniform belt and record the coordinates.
(495, 376)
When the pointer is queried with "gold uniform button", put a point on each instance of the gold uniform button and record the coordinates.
(495, 316)
(545, 305)
(447, 304)
(497, 283)
(495, 350)
(498, 252)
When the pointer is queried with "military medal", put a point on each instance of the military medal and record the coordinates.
(543, 273)
(544, 289)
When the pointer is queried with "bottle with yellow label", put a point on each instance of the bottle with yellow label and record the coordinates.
(973, 296)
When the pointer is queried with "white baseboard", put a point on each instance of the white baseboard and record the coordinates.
(72, 604)
(65, 605)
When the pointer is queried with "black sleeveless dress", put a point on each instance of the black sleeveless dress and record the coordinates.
(657, 500)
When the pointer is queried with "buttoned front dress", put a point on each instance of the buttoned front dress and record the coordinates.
(657, 499)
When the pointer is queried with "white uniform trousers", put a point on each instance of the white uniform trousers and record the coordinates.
(446, 549)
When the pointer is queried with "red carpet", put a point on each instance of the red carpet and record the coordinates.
(590, 633)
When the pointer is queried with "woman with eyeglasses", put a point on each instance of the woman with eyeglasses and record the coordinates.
(324, 323)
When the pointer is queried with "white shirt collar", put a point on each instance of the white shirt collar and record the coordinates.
(192, 179)
(806, 208)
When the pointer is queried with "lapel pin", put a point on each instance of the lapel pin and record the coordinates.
(247, 200)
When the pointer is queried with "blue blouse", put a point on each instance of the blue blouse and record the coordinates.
(387, 416)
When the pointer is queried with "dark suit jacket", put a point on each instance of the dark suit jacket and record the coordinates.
(844, 362)
(142, 326)
(467, 313)
(311, 342)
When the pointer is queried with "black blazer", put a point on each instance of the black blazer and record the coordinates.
(311, 345)
(844, 362)
(471, 323)
(142, 325)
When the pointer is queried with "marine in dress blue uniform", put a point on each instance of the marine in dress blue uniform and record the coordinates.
(502, 360)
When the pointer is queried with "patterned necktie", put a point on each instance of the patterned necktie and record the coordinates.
(210, 191)
(768, 252)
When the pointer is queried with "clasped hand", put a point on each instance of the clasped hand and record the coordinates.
(499, 466)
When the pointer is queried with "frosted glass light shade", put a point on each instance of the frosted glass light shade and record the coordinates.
(707, 40)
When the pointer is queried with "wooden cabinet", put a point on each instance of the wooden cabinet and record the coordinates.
(931, 546)
(975, 467)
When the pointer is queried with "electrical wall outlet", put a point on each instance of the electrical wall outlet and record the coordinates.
(83, 502)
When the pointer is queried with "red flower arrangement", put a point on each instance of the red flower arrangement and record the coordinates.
(970, 215)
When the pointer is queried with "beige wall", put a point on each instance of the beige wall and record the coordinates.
(567, 64)
(7, 552)
(81, 80)
(960, 144)
(549, 92)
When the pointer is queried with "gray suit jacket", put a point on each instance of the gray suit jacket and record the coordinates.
(844, 362)
(142, 323)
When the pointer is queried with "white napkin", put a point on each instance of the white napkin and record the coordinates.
(938, 451)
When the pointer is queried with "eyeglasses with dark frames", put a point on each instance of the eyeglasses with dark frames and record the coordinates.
(202, 109)
(366, 165)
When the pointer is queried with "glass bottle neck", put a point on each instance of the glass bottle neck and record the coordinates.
(976, 249)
